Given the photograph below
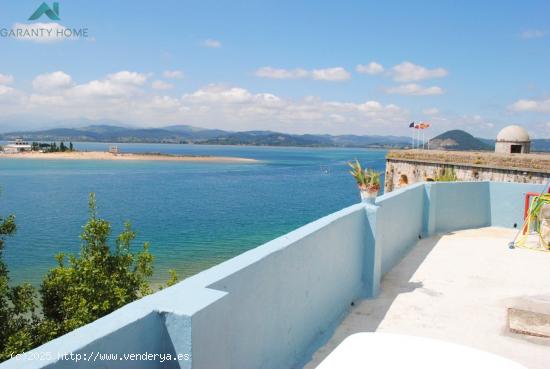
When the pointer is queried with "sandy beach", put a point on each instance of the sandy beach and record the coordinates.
(101, 155)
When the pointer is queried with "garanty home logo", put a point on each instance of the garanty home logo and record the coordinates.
(43, 32)
(53, 14)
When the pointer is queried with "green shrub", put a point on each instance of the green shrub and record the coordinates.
(86, 287)
(79, 290)
(446, 175)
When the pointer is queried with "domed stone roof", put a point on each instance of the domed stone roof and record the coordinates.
(513, 134)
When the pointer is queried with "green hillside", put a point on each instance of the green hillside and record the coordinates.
(458, 140)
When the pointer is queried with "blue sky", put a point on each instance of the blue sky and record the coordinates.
(360, 67)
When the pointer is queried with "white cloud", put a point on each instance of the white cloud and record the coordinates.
(161, 85)
(219, 94)
(215, 44)
(327, 74)
(121, 97)
(331, 74)
(164, 102)
(126, 96)
(173, 74)
(125, 77)
(48, 100)
(101, 88)
(5, 90)
(10, 100)
(431, 111)
(533, 33)
(371, 68)
(41, 32)
(222, 95)
(55, 80)
(241, 102)
(278, 73)
(474, 124)
(540, 106)
(414, 90)
(408, 71)
(116, 85)
(5, 79)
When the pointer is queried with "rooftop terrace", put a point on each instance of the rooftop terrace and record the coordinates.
(281, 304)
(456, 287)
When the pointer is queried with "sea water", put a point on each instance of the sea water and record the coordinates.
(194, 215)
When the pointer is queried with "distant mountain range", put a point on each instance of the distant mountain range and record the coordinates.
(196, 135)
(450, 140)
(540, 144)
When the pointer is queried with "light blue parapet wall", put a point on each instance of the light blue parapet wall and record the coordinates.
(271, 306)
(458, 206)
(400, 221)
(505, 205)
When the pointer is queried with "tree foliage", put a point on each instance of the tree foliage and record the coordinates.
(21, 328)
(100, 280)
(52, 147)
(79, 290)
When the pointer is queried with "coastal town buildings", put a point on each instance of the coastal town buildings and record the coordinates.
(17, 146)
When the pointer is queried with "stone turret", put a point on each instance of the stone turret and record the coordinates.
(513, 140)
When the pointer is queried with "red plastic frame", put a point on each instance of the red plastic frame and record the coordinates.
(528, 196)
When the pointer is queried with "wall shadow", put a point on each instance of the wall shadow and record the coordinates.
(367, 314)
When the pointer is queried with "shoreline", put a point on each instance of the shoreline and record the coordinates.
(103, 155)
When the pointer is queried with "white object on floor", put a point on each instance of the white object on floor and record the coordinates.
(385, 351)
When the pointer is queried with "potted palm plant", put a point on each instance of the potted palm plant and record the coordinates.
(368, 181)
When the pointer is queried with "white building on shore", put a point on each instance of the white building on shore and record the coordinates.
(17, 146)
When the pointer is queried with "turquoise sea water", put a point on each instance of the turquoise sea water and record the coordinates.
(195, 215)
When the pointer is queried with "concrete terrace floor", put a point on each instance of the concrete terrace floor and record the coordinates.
(457, 288)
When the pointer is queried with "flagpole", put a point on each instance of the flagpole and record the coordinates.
(423, 140)
(428, 145)
(411, 125)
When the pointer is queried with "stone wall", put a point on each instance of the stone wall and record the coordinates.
(507, 147)
(405, 167)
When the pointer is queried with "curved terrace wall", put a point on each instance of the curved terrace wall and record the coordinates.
(274, 305)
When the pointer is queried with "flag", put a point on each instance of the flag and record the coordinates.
(411, 125)
(424, 125)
